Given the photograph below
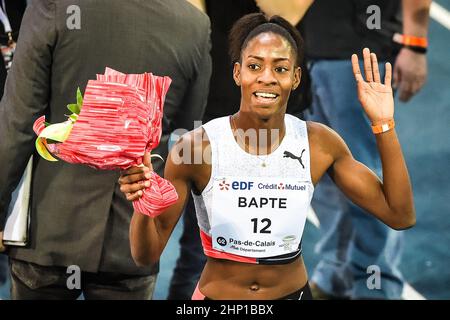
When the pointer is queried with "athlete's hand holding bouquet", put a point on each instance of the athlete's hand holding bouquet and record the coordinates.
(116, 123)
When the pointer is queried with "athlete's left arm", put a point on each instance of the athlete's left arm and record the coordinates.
(390, 200)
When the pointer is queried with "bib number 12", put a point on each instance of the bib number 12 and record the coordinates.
(265, 222)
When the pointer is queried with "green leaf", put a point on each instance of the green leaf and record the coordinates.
(73, 117)
(79, 99)
(50, 141)
(58, 131)
(74, 108)
(47, 123)
(42, 150)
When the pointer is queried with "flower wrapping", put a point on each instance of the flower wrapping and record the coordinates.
(111, 127)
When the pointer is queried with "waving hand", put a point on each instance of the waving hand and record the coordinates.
(375, 97)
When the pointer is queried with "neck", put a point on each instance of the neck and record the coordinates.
(258, 136)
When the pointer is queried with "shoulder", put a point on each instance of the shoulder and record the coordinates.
(324, 139)
(194, 138)
(191, 17)
(191, 149)
(319, 132)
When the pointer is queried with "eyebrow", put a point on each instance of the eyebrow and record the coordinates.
(261, 58)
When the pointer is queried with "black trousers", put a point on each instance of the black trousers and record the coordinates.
(30, 281)
(3, 268)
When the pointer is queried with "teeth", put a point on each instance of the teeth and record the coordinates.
(265, 95)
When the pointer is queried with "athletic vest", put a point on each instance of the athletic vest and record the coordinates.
(254, 208)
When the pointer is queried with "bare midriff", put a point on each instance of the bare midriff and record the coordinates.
(230, 280)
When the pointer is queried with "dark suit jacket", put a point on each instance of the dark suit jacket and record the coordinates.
(79, 216)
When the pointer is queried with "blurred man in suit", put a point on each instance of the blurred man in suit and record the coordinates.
(79, 216)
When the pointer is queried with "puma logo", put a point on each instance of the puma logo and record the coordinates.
(288, 154)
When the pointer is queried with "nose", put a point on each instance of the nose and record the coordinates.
(267, 76)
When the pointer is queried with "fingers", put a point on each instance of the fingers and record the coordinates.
(408, 85)
(133, 181)
(147, 160)
(367, 65)
(356, 70)
(135, 170)
(134, 195)
(376, 72)
(134, 191)
(134, 178)
(388, 74)
(397, 76)
(405, 91)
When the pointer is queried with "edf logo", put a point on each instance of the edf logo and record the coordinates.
(242, 185)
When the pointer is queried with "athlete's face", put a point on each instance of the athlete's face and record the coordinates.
(266, 74)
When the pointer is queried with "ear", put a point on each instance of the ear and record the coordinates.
(297, 77)
(237, 73)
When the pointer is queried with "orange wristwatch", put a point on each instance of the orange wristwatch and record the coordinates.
(383, 127)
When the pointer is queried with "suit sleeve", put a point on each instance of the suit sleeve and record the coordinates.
(194, 102)
(26, 95)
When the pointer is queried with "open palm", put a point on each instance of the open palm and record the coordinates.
(375, 97)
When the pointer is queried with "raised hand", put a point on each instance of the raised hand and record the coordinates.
(375, 97)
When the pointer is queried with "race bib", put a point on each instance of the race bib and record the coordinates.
(259, 217)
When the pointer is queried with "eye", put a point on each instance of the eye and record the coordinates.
(281, 69)
(254, 66)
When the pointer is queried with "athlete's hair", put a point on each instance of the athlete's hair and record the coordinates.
(251, 25)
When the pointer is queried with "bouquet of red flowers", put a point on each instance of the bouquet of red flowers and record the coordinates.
(117, 121)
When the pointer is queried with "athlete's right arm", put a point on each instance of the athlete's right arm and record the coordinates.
(149, 236)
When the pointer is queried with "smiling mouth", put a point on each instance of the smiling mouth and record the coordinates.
(266, 97)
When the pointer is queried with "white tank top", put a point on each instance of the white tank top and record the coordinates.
(260, 202)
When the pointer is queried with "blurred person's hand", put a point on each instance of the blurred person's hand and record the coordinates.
(200, 4)
(2, 247)
(291, 10)
(410, 73)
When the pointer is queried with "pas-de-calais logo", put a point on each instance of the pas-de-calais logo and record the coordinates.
(221, 241)
(224, 185)
(281, 186)
(288, 154)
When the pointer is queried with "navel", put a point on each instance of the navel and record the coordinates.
(254, 287)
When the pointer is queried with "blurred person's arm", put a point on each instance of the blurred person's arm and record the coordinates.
(200, 4)
(410, 68)
(26, 96)
(291, 10)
